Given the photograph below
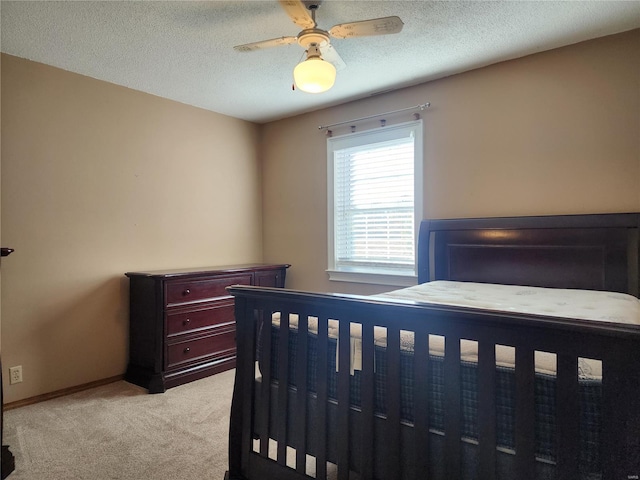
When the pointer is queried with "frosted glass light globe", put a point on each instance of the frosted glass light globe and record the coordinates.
(314, 75)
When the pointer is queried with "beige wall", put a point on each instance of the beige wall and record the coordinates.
(552, 133)
(98, 180)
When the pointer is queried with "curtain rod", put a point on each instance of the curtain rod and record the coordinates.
(421, 107)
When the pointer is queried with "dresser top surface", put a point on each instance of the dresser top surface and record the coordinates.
(214, 270)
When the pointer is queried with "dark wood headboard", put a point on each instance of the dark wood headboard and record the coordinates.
(592, 252)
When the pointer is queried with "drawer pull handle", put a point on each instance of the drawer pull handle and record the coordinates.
(186, 350)
(186, 321)
(186, 291)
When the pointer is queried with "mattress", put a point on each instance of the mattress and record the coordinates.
(587, 305)
(553, 302)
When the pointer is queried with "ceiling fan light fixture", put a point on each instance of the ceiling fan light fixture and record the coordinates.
(314, 75)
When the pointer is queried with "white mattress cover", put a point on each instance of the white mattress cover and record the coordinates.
(582, 304)
(555, 302)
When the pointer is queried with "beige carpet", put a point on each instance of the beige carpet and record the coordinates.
(118, 431)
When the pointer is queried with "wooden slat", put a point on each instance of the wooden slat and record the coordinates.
(367, 401)
(322, 393)
(344, 374)
(567, 417)
(620, 421)
(631, 410)
(283, 386)
(421, 382)
(262, 419)
(486, 409)
(611, 425)
(393, 403)
(301, 397)
(525, 414)
(248, 347)
(240, 406)
(452, 408)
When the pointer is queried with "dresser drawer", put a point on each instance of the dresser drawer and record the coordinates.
(201, 290)
(220, 314)
(217, 345)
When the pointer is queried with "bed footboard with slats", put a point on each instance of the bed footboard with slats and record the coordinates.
(300, 410)
(281, 428)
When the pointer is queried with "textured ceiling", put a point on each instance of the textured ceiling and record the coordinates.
(184, 50)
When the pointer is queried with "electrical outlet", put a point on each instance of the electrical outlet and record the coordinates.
(15, 374)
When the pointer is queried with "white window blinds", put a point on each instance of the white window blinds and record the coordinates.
(374, 203)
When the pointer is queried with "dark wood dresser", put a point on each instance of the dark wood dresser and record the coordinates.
(182, 324)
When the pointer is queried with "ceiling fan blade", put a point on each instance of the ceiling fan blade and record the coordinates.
(274, 42)
(377, 26)
(298, 13)
(330, 54)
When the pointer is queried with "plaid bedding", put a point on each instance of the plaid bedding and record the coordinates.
(545, 395)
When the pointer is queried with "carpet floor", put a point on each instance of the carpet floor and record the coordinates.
(119, 431)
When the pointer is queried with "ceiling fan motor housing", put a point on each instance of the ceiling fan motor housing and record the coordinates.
(312, 36)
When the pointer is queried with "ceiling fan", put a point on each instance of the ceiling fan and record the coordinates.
(317, 72)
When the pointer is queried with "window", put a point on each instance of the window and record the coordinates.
(375, 204)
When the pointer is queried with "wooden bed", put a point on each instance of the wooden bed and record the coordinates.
(316, 428)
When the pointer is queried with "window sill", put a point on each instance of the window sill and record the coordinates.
(373, 278)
